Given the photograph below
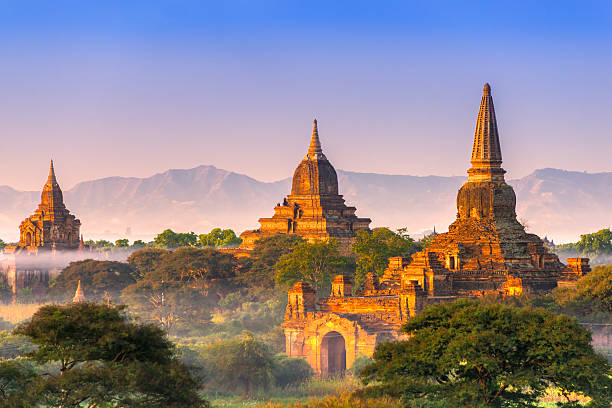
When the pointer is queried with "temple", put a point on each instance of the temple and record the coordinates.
(485, 251)
(51, 228)
(314, 210)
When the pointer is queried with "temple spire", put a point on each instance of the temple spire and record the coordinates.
(51, 179)
(486, 153)
(486, 138)
(314, 150)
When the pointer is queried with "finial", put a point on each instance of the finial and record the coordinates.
(52, 173)
(315, 144)
(486, 90)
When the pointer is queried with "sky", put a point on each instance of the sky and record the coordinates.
(133, 88)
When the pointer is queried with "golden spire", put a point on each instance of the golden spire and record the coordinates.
(79, 296)
(51, 179)
(314, 150)
(486, 137)
(486, 152)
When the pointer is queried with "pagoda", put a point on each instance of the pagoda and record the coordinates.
(485, 251)
(51, 226)
(486, 248)
(314, 210)
(31, 262)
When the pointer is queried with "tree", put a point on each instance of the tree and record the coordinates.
(171, 239)
(475, 355)
(596, 243)
(289, 370)
(16, 377)
(147, 260)
(219, 238)
(258, 269)
(185, 284)
(593, 292)
(2, 244)
(373, 250)
(98, 278)
(243, 364)
(103, 357)
(139, 243)
(315, 263)
(122, 243)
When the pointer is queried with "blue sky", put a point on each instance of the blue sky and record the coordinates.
(136, 87)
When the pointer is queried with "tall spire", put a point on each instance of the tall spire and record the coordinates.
(51, 179)
(486, 152)
(52, 199)
(314, 150)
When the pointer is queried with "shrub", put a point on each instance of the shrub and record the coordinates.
(359, 364)
(288, 370)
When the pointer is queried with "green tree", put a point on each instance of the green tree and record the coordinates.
(2, 244)
(373, 250)
(475, 355)
(315, 263)
(289, 371)
(243, 364)
(122, 243)
(185, 284)
(16, 378)
(147, 260)
(139, 243)
(597, 243)
(171, 239)
(103, 244)
(219, 238)
(98, 279)
(103, 357)
(592, 293)
(258, 269)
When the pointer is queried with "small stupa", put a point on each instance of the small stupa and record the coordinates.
(79, 296)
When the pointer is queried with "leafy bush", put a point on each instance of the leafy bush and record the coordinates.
(288, 370)
(359, 364)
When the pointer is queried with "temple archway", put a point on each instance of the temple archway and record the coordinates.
(28, 238)
(333, 354)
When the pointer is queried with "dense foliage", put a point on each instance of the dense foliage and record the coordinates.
(373, 250)
(259, 268)
(315, 263)
(597, 246)
(475, 355)
(100, 356)
(179, 288)
(101, 279)
(593, 293)
(219, 238)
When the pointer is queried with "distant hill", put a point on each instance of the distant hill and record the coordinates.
(557, 203)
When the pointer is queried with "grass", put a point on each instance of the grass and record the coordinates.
(316, 388)
(16, 313)
(332, 393)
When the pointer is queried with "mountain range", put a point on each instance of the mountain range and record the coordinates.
(555, 203)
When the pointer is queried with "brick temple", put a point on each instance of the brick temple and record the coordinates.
(314, 210)
(485, 251)
(51, 228)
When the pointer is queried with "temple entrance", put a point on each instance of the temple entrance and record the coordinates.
(28, 238)
(333, 355)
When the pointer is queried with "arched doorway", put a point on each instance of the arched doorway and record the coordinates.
(28, 238)
(333, 354)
